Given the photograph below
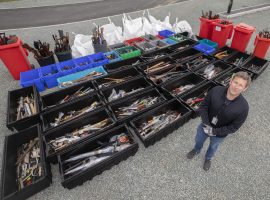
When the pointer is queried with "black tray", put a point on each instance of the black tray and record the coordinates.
(235, 56)
(13, 97)
(50, 100)
(127, 86)
(151, 56)
(197, 91)
(173, 104)
(132, 72)
(49, 116)
(229, 50)
(150, 64)
(224, 67)
(181, 46)
(190, 78)
(123, 64)
(229, 75)
(198, 66)
(187, 54)
(79, 178)
(129, 100)
(72, 126)
(256, 61)
(9, 184)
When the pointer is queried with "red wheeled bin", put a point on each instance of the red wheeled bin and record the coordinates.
(261, 46)
(206, 27)
(15, 59)
(221, 33)
(241, 37)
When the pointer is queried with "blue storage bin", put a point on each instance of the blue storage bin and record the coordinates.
(169, 41)
(206, 49)
(113, 53)
(81, 74)
(67, 67)
(166, 33)
(99, 59)
(209, 43)
(32, 77)
(49, 74)
(82, 63)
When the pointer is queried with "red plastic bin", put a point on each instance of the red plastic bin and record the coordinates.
(15, 58)
(132, 41)
(206, 27)
(261, 46)
(241, 37)
(221, 33)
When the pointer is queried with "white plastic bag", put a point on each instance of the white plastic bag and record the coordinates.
(158, 25)
(112, 34)
(182, 26)
(82, 45)
(147, 26)
(132, 27)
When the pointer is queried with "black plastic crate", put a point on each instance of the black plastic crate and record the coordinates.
(261, 64)
(10, 188)
(13, 99)
(144, 68)
(182, 45)
(72, 180)
(174, 105)
(50, 116)
(128, 86)
(198, 62)
(54, 99)
(229, 52)
(126, 74)
(237, 59)
(199, 92)
(185, 55)
(188, 79)
(116, 46)
(157, 54)
(225, 78)
(73, 126)
(129, 100)
(123, 64)
(176, 71)
(219, 66)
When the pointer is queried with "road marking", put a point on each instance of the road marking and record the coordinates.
(50, 5)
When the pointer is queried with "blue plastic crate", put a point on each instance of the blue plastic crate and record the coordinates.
(166, 33)
(169, 41)
(99, 59)
(83, 63)
(67, 67)
(116, 56)
(49, 74)
(32, 77)
(81, 74)
(209, 43)
(206, 49)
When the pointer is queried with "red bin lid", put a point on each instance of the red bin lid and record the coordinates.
(244, 28)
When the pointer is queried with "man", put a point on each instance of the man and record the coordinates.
(223, 112)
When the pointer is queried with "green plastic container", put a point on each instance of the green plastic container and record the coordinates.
(178, 37)
(128, 52)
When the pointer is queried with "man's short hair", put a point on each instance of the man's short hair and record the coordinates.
(243, 75)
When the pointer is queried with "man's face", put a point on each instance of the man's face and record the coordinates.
(237, 85)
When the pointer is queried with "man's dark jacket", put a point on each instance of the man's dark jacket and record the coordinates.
(230, 114)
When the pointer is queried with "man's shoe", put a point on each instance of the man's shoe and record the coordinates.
(191, 154)
(207, 165)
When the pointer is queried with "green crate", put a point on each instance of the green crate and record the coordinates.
(132, 52)
(178, 37)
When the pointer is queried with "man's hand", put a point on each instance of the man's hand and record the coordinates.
(208, 130)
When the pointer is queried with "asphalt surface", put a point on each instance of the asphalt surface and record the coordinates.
(241, 167)
(49, 15)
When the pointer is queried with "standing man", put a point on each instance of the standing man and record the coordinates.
(223, 112)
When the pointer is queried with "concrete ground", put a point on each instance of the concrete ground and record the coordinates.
(240, 169)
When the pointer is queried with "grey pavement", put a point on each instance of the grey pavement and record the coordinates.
(240, 169)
